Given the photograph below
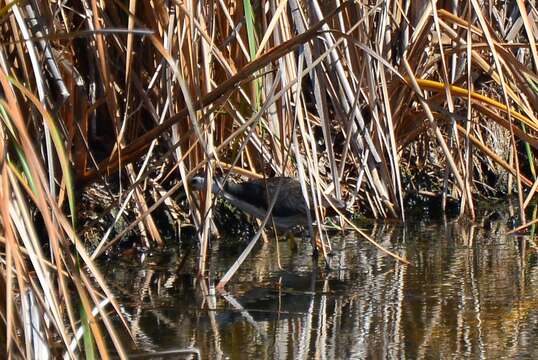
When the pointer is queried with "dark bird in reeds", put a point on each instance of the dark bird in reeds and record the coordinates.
(255, 196)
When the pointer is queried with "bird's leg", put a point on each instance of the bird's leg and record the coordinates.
(316, 245)
(291, 241)
(315, 255)
(315, 252)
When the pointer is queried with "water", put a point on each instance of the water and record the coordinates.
(471, 293)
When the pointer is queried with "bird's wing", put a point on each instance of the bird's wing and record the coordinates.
(290, 198)
(259, 193)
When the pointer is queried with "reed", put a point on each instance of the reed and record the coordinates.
(353, 98)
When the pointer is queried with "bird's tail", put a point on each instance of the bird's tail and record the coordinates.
(333, 204)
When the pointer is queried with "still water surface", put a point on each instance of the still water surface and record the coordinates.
(471, 293)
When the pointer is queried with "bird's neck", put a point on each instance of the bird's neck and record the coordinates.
(217, 186)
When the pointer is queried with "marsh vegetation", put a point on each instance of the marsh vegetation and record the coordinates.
(401, 110)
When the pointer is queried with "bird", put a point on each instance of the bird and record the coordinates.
(255, 196)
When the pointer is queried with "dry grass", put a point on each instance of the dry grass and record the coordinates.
(352, 98)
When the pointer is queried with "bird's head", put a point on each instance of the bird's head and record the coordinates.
(199, 183)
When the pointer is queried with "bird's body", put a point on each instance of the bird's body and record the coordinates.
(255, 196)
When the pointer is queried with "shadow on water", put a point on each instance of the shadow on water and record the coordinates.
(471, 292)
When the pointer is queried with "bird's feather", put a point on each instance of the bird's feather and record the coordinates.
(290, 200)
(254, 197)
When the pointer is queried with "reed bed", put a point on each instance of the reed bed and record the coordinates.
(371, 102)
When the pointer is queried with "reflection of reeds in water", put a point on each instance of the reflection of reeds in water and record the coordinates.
(467, 295)
(353, 100)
